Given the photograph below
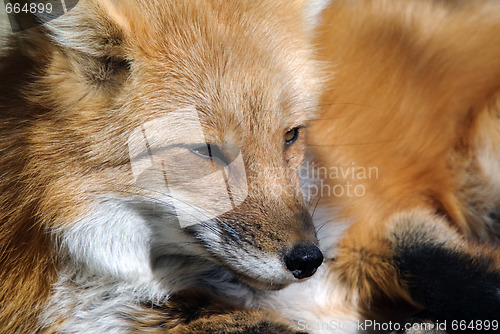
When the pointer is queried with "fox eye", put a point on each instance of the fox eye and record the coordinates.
(292, 135)
(211, 152)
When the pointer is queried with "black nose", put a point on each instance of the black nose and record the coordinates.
(303, 260)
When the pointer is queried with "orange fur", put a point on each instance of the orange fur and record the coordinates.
(413, 95)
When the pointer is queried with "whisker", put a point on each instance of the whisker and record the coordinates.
(320, 227)
(314, 210)
(309, 203)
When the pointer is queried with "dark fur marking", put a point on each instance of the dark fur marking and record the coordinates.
(452, 285)
(495, 216)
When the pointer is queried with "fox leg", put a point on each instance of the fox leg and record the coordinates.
(453, 278)
(419, 262)
(364, 264)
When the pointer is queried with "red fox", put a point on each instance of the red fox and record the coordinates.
(152, 154)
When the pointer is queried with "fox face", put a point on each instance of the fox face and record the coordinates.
(154, 147)
(185, 136)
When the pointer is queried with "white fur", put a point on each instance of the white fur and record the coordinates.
(269, 269)
(123, 254)
(91, 303)
(112, 240)
(317, 306)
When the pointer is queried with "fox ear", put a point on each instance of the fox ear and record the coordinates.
(89, 41)
(95, 28)
(312, 10)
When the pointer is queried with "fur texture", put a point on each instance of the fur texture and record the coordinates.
(414, 95)
(119, 119)
(105, 107)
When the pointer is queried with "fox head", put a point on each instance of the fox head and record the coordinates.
(175, 129)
